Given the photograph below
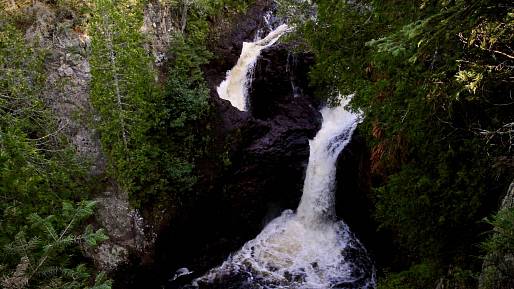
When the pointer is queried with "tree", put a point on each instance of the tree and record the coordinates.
(438, 130)
(39, 245)
(123, 80)
(38, 174)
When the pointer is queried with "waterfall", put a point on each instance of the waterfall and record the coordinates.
(307, 249)
(235, 87)
(317, 205)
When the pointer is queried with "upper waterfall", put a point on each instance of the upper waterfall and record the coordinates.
(235, 87)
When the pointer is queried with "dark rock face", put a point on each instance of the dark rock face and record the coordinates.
(353, 186)
(281, 79)
(354, 202)
(271, 151)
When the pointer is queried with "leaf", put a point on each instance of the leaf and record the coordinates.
(102, 282)
(85, 209)
(93, 238)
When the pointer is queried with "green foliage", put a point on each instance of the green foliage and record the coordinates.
(204, 8)
(122, 73)
(428, 275)
(418, 276)
(446, 198)
(499, 249)
(154, 134)
(39, 176)
(123, 89)
(433, 79)
(43, 257)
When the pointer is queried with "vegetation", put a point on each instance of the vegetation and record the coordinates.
(434, 79)
(153, 132)
(43, 186)
(499, 249)
(123, 90)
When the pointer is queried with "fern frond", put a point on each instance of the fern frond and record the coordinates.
(50, 271)
(101, 282)
(92, 238)
(85, 209)
(45, 224)
(79, 272)
(62, 243)
(22, 247)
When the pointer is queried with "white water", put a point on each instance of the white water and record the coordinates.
(318, 203)
(235, 87)
(307, 249)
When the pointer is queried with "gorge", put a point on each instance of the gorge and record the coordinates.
(306, 249)
(238, 144)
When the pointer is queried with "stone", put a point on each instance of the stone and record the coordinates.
(158, 26)
(508, 200)
(109, 256)
(67, 93)
(125, 229)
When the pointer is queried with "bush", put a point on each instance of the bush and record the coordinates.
(499, 252)
(43, 186)
(433, 79)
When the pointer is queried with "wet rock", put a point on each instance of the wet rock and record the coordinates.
(354, 202)
(281, 78)
(272, 150)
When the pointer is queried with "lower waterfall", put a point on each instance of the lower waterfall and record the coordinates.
(310, 248)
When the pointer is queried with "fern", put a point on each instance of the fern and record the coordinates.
(38, 171)
(52, 236)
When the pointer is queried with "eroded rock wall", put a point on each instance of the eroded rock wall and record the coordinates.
(67, 93)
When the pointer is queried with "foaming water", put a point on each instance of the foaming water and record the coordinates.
(235, 87)
(308, 249)
(318, 204)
